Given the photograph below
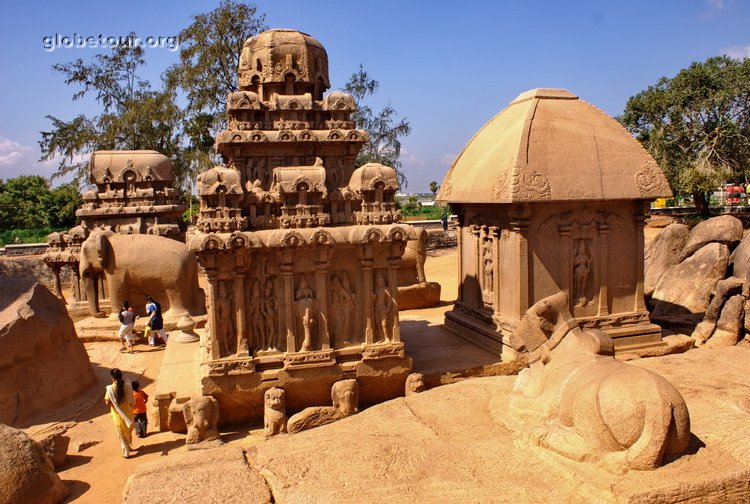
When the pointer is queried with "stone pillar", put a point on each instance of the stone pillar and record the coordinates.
(58, 284)
(366, 262)
(565, 251)
(321, 283)
(394, 259)
(459, 247)
(214, 349)
(240, 313)
(495, 233)
(76, 283)
(519, 225)
(287, 277)
(603, 262)
(640, 220)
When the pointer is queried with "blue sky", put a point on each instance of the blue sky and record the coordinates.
(446, 66)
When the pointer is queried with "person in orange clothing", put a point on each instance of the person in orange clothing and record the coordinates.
(139, 410)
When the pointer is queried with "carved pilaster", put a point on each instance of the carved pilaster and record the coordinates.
(212, 280)
(603, 263)
(393, 261)
(366, 262)
(287, 277)
(240, 312)
(321, 282)
(519, 224)
(640, 220)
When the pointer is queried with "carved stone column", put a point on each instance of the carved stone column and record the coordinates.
(321, 283)
(366, 262)
(214, 348)
(640, 220)
(566, 249)
(519, 224)
(58, 284)
(496, 233)
(240, 312)
(394, 260)
(603, 261)
(287, 277)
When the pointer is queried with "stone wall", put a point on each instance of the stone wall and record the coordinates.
(438, 238)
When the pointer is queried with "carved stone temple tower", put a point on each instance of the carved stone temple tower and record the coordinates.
(300, 249)
(552, 195)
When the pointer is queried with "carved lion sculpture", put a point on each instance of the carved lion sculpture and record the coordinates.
(414, 384)
(593, 407)
(274, 411)
(345, 398)
(201, 417)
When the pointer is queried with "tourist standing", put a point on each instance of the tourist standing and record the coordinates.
(127, 321)
(119, 398)
(140, 398)
(155, 322)
(444, 220)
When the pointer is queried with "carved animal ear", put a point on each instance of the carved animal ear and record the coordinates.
(101, 244)
(187, 413)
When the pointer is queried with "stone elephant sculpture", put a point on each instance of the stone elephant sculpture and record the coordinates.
(411, 268)
(140, 263)
(592, 407)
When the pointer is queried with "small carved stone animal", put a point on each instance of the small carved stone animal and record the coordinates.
(274, 412)
(201, 417)
(414, 384)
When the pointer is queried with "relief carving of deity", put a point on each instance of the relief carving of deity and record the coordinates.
(488, 267)
(225, 327)
(304, 300)
(581, 272)
(343, 307)
(255, 316)
(384, 308)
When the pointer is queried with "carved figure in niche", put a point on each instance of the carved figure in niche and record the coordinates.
(201, 417)
(274, 412)
(589, 406)
(488, 266)
(255, 316)
(343, 305)
(345, 398)
(581, 271)
(304, 299)
(224, 328)
(384, 307)
(268, 311)
(414, 384)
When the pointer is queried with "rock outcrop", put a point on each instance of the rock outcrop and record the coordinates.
(662, 253)
(724, 229)
(42, 364)
(26, 473)
(685, 287)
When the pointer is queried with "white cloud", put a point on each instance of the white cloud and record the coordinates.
(738, 52)
(17, 159)
(12, 152)
(409, 159)
(714, 7)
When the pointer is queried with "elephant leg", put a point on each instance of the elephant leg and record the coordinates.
(177, 305)
(117, 292)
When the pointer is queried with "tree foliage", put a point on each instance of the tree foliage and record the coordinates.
(384, 128)
(133, 116)
(434, 186)
(697, 125)
(210, 50)
(28, 202)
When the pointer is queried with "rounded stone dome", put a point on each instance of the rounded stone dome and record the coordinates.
(548, 145)
(275, 55)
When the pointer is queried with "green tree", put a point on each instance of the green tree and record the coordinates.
(133, 116)
(384, 128)
(697, 125)
(210, 50)
(27, 202)
(434, 186)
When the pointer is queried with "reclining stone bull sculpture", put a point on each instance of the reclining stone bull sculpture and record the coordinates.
(592, 407)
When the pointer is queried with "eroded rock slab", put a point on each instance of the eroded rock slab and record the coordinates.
(219, 476)
(724, 229)
(686, 287)
(662, 253)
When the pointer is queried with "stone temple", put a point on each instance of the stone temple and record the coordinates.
(298, 247)
(552, 195)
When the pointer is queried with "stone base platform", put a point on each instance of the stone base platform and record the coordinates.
(106, 328)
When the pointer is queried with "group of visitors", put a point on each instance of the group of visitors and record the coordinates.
(154, 326)
(127, 407)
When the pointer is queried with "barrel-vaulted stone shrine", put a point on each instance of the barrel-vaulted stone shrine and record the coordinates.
(552, 194)
(298, 247)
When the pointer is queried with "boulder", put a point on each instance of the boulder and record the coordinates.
(686, 287)
(43, 365)
(26, 473)
(740, 259)
(729, 327)
(724, 229)
(724, 290)
(209, 476)
(55, 445)
(662, 253)
(417, 296)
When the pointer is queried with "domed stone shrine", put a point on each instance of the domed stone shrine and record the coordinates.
(552, 194)
(300, 249)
